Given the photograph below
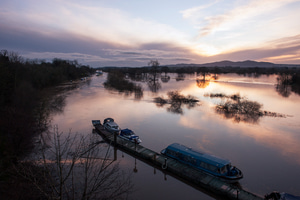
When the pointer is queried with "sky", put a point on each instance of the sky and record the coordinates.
(133, 32)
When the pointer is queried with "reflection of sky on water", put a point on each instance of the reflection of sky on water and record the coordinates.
(261, 150)
(151, 183)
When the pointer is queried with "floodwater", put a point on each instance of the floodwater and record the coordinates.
(265, 148)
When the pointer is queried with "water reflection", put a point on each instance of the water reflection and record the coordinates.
(165, 78)
(56, 104)
(240, 109)
(165, 176)
(54, 101)
(287, 83)
(283, 86)
(204, 79)
(137, 75)
(154, 85)
(202, 83)
(261, 149)
(116, 81)
(180, 77)
(73, 166)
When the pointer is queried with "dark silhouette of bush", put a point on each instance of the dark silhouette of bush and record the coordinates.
(176, 101)
(116, 81)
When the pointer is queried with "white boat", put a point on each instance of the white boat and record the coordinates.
(111, 126)
(99, 72)
(128, 134)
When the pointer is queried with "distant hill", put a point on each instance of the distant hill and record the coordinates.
(242, 64)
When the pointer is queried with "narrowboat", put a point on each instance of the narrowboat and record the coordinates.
(202, 161)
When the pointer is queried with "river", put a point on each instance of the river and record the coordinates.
(266, 148)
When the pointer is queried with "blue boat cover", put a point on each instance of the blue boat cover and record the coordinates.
(210, 159)
(126, 131)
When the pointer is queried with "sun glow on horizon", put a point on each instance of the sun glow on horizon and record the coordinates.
(206, 50)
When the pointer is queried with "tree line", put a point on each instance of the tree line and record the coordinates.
(288, 77)
(250, 71)
(23, 115)
(20, 85)
(39, 74)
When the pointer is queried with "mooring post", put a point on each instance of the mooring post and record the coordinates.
(115, 153)
(164, 166)
(115, 138)
(135, 170)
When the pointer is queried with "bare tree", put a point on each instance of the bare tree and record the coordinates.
(153, 82)
(15, 57)
(154, 70)
(76, 167)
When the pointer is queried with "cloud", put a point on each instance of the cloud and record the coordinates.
(284, 50)
(194, 12)
(239, 14)
(285, 42)
(230, 26)
(35, 45)
(99, 35)
(164, 52)
(93, 21)
(86, 58)
(130, 53)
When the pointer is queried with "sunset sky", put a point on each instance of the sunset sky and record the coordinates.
(131, 33)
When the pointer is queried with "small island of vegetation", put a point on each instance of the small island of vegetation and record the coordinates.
(176, 100)
(241, 109)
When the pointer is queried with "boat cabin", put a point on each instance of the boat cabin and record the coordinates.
(111, 126)
(203, 161)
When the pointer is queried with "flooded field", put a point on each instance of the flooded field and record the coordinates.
(251, 121)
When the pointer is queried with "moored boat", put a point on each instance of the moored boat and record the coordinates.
(110, 125)
(281, 196)
(128, 134)
(202, 161)
(99, 72)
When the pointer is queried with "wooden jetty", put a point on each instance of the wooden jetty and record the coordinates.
(206, 181)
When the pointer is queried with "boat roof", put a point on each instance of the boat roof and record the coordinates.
(207, 158)
(127, 131)
(111, 123)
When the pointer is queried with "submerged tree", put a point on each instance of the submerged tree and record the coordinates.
(247, 111)
(240, 109)
(176, 101)
(180, 77)
(154, 70)
(287, 83)
(116, 81)
(153, 83)
(283, 86)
